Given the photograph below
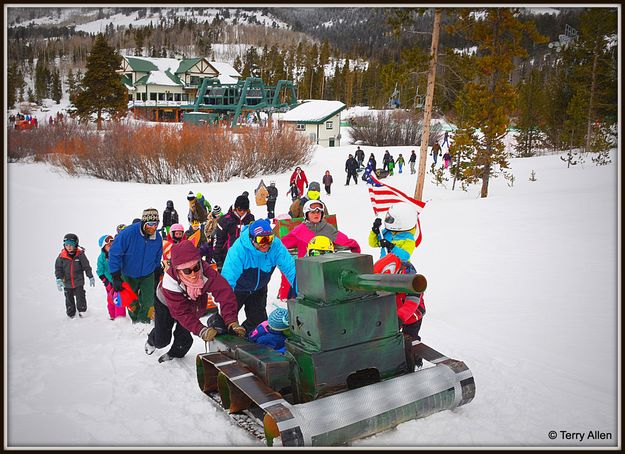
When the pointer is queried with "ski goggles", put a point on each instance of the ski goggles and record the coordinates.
(108, 240)
(152, 223)
(317, 252)
(195, 269)
(316, 209)
(263, 239)
(69, 243)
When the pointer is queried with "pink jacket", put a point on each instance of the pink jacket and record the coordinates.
(301, 235)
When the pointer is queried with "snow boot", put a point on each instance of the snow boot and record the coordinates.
(165, 357)
(149, 348)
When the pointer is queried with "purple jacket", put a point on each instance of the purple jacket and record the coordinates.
(188, 312)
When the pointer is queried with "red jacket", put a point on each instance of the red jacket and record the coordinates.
(299, 180)
(187, 311)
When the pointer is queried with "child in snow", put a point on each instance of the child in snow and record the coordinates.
(391, 165)
(294, 191)
(399, 233)
(327, 182)
(447, 159)
(102, 270)
(69, 269)
(400, 162)
(410, 308)
(271, 332)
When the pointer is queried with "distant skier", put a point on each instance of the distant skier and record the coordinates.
(327, 182)
(400, 162)
(299, 178)
(351, 168)
(360, 157)
(385, 160)
(272, 197)
(69, 269)
(170, 217)
(447, 159)
(446, 139)
(391, 165)
(412, 161)
(436, 149)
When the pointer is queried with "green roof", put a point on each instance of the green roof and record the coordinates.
(173, 77)
(143, 80)
(126, 80)
(187, 64)
(141, 65)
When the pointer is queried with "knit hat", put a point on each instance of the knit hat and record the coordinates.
(190, 195)
(260, 227)
(314, 186)
(279, 319)
(242, 202)
(216, 210)
(184, 252)
(150, 214)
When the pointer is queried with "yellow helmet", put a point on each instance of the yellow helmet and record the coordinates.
(320, 245)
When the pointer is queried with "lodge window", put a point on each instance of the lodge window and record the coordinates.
(152, 96)
(161, 96)
(195, 80)
(300, 127)
(328, 125)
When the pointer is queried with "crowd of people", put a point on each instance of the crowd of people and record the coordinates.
(223, 262)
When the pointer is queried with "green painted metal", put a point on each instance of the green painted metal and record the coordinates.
(403, 283)
(321, 327)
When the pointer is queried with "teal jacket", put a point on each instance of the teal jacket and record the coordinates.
(103, 267)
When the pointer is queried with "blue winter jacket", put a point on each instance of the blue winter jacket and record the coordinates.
(134, 254)
(263, 334)
(247, 269)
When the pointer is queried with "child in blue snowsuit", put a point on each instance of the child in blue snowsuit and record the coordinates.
(271, 331)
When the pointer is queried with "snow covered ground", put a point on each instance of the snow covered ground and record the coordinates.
(522, 287)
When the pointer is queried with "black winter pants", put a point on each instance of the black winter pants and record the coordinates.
(352, 174)
(160, 336)
(327, 186)
(412, 330)
(271, 208)
(255, 304)
(77, 294)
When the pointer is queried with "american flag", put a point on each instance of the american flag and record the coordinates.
(384, 196)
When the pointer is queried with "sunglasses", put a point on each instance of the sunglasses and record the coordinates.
(195, 269)
(264, 239)
(152, 223)
(316, 253)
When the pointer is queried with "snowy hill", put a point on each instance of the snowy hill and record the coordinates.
(522, 287)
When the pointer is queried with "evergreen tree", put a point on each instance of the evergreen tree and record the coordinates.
(530, 114)
(139, 42)
(42, 79)
(102, 90)
(56, 92)
(491, 98)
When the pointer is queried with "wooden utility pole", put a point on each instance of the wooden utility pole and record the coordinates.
(427, 112)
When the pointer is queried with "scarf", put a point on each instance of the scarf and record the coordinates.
(322, 228)
(194, 286)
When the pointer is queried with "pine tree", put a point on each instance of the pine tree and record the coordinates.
(530, 114)
(102, 90)
(491, 98)
(56, 92)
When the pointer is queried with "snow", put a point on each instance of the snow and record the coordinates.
(312, 110)
(522, 287)
(226, 70)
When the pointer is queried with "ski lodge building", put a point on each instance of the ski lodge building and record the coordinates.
(158, 88)
(319, 119)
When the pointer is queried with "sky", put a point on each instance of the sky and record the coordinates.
(522, 287)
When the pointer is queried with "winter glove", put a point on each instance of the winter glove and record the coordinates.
(236, 329)
(208, 334)
(59, 285)
(117, 282)
(107, 284)
(387, 244)
(376, 226)
(91, 282)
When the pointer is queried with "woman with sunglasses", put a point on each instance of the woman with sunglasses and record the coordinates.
(249, 266)
(314, 224)
(183, 297)
(102, 270)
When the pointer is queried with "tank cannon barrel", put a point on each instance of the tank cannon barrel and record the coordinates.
(395, 283)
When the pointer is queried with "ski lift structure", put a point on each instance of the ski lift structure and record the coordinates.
(393, 101)
(570, 36)
(418, 100)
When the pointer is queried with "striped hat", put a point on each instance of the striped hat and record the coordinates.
(150, 214)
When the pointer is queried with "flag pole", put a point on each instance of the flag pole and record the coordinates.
(427, 112)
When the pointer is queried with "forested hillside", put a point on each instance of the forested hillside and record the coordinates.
(564, 95)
